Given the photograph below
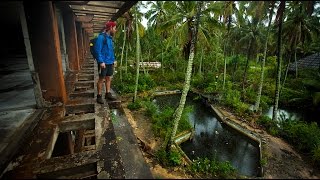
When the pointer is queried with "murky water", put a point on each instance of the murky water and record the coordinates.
(283, 114)
(308, 115)
(213, 139)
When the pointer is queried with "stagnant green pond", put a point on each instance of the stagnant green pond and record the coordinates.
(214, 139)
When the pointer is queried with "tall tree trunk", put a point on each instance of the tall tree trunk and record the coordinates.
(295, 54)
(247, 64)
(127, 58)
(148, 61)
(200, 66)
(225, 65)
(285, 77)
(142, 63)
(277, 94)
(179, 110)
(287, 68)
(234, 69)
(216, 62)
(224, 53)
(137, 59)
(124, 42)
(162, 68)
(257, 104)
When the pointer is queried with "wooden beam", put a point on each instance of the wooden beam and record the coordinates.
(125, 7)
(100, 16)
(93, 12)
(108, 4)
(75, 2)
(99, 19)
(87, 25)
(94, 8)
(86, 18)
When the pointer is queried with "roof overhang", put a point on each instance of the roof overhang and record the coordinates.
(94, 14)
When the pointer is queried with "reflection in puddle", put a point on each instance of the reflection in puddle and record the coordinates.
(213, 139)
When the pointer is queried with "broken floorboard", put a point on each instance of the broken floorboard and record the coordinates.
(63, 144)
(35, 159)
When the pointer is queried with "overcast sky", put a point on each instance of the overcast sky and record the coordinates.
(144, 10)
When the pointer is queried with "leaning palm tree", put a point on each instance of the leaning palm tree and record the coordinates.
(178, 112)
(256, 107)
(279, 19)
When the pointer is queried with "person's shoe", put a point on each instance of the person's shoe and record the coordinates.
(110, 97)
(99, 99)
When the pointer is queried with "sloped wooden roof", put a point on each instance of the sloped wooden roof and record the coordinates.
(94, 14)
(309, 62)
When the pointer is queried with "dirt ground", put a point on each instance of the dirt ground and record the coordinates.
(282, 160)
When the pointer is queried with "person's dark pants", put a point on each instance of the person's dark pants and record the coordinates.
(108, 71)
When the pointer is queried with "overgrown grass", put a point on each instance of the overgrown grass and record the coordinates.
(304, 136)
(162, 121)
(211, 168)
(134, 105)
(269, 125)
(169, 159)
(127, 85)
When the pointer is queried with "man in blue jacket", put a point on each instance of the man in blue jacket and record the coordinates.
(106, 60)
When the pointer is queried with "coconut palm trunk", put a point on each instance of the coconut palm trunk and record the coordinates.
(246, 67)
(137, 60)
(123, 46)
(287, 68)
(257, 104)
(126, 69)
(162, 68)
(186, 87)
(225, 65)
(200, 65)
(277, 91)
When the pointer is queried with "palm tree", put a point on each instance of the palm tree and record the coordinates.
(299, 26)
(279, 19)
(252, 33)
(181, 23)
(157, 14)
(122, 50)
(137, 56)
(227, 14)
(256, 107)
(178, 112)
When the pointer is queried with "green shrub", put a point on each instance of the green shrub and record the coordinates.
(162, 122)
(270, 125)
(134, 105)
(172, 158)
(145, 82)
(302, 135)
(151, 108)
(232, 99)
(211, 168)
(316, 154)
(198, 81)
(265, 101)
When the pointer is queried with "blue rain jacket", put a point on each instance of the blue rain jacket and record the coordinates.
(104, 49)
